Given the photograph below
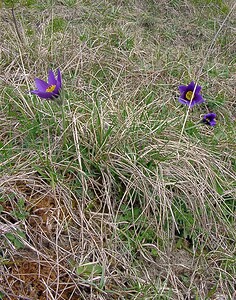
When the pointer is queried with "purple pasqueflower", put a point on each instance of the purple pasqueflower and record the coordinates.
(190, 94)
(209, 119)
(50, 89)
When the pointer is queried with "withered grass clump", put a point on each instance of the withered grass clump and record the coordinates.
(113, 192)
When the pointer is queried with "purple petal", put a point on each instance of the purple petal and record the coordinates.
(58, 83)
(34, 92)
(51, 78)
(44, 95)
(41, 84)
(181, 100)
(198, 99)
(182, 89)
(198, 89)
(211, 116)
(192, 104)
(57, 89)
(191, 86)
(213, 122)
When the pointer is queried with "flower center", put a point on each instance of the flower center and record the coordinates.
(189, 95)
(51, 88)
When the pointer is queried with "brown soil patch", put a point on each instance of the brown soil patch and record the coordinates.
(36, 280)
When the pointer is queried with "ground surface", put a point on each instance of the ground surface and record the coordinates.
(115, 191)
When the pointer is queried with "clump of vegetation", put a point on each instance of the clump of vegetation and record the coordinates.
(117, 174)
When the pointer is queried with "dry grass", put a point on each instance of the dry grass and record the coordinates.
(109, 196)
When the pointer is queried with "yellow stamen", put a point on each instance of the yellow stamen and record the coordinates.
(189, 95)
(51, 88)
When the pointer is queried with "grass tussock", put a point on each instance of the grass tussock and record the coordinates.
(112, 192)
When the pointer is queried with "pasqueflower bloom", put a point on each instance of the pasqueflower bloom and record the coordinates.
(50, 89)
(190, 95)
(209, 119)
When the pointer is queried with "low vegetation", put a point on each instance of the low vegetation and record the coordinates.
(115, 190)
